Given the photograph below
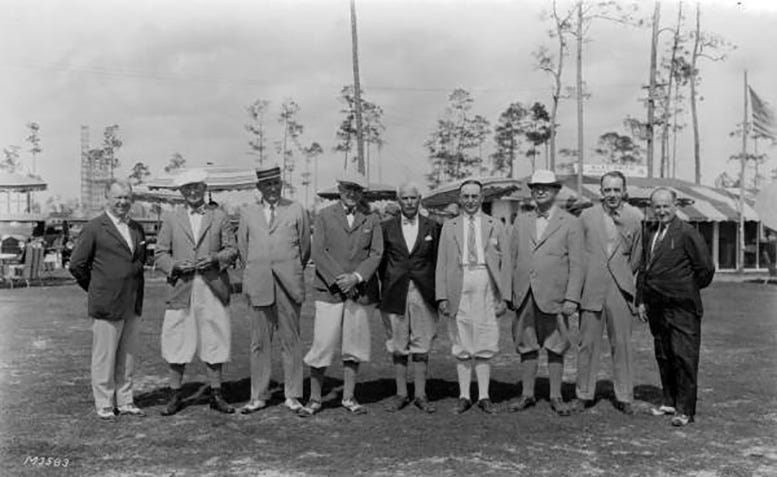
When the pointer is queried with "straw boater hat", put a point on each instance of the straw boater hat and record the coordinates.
(190, 176)
(268, 173)
(544, 177)
(353, 178)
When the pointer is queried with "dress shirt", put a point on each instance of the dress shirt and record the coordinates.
(478, 239)
(268, 211)
(123, 228)
(610, 227)
(658, 237)
(349, 215)
(543, 219)
(195, 219)
(410, 231)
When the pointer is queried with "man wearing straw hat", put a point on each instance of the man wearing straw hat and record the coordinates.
(195, 246)
(273, 239)
(547, 277)
(347, 249)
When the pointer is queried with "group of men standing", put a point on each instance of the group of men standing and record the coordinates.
(549, 267)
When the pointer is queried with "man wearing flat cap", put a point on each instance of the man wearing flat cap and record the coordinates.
(347, 249)
(547, 276)
(195, 246)
(273, 239)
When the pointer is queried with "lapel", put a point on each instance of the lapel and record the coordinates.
(280, 209)
(133, 227)
(486, 226)
(603, 238)
(261, 218)
(661, 246)
(458, 233)
(207, 220)
(339, 212)
(554, 223)
(110, 227)
(182, 215)
(422, 226)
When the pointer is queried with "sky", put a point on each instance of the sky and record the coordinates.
(176, 76)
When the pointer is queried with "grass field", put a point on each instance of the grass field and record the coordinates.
(46, 407)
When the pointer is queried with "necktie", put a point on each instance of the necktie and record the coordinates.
(659, 237)
(272, 214)
(472, 254)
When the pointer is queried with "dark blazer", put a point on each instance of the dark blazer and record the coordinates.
(339, 249)
(400, 265)
(678, 268)
(104, 266)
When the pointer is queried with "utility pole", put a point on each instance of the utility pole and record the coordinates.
(357, 96)
(651, 106)
(580, 98)
(742, 161)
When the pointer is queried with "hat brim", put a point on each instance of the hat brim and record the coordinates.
(360, 186)
(548, 184)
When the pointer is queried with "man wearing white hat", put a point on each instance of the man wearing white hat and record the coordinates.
(547, 277)
(347, 249)
(273, 239)
(195, 246)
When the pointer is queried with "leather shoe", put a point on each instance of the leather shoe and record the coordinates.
(680, 420)
(397, 403)
(106, 413)
(624, 407)
(487, 406)
(311, 408)
(131, 410)
(580, 405)
(292, 404)
(218, 403)
(557, 404)
(462, 406)
(253, 406)
(523, 402)
(352, 406)
(174, 405)
(422, 403)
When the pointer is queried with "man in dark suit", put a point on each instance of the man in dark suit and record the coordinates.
(407, 294)
(347, 248)
(676, 266)
(108, 263)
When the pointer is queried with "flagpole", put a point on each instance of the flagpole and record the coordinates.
(742, 162)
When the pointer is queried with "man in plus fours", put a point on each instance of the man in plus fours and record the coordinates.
(612, 238)
(676, 266)
(347, 249)
(546, 247)
(195, 246)
(407, 294)
(472, 286)
(273, 239)
(108, 263)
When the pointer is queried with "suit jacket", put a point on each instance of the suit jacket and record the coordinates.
(620, 265)
(112, 274)
(278, 252)
(677, 269)
(449, 271)
(338, 249)
(176, 242)
(550, 266)
(400, 265)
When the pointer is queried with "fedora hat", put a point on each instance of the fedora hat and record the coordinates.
(544, 177)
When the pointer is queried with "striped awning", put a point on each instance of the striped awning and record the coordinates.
(220, 178)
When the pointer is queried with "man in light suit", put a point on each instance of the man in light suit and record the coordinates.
(407, 302)
(677, 265)
(547, 277)
(195, 246)
(108, 263)
(347, 248)
(612, 237)
(472, 287)
(273, 238)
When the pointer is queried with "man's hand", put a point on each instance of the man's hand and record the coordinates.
(568, 308)
(642, 312)
(500, 307)
(204, 263)
(346, 282)
(353, 294)
(442, 307)
(182, 267)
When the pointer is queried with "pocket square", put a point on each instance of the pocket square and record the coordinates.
(428, 238)
(366, 231)
(142, 243)
(494, 241)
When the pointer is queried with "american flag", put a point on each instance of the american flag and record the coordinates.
(763, 117)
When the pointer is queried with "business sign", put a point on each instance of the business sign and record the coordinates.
(629, 170)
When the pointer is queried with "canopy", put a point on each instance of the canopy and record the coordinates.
(144, 194)
(493, 188)
(220, 178)
(373, 192)
(15, 182)
(766, 205)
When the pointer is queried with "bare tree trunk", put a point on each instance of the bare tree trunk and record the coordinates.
(652, 90)
(670, 166)
(357, 91)
(742, 161)
(694, 114)
(580, 159)
(674, 131)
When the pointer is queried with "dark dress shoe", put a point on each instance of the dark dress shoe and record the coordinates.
(487, 406)
(422, 403)
(580, 405)
(624, 407)
(523, 402)
(558, 406)
(397, 403)
(462, 406)
(174, 405)
(218, 403)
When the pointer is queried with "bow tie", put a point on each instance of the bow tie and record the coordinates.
(198, 210)
(543, 215)
(349, 211)
(406, 221)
